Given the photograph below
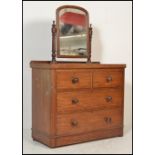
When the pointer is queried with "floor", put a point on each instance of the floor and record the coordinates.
(119, 145)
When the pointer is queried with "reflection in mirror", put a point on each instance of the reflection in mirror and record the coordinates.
(73, 32)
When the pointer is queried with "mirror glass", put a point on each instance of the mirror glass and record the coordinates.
(72, 32)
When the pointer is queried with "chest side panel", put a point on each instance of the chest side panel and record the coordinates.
(41, 102)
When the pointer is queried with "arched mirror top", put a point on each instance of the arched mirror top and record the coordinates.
(72, 25)
(71, 35)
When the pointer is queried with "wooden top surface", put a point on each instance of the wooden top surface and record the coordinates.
(72, 65)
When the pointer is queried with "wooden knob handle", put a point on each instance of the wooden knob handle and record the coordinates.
(75, 80)
(109, 98)
(109, 78)
(74, 123)
(75, 101)
(108, 120)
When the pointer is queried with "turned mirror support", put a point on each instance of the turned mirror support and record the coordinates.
(90, 38)
(54, 30)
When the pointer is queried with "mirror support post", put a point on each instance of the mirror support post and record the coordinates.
(89, 48)
(54, 30)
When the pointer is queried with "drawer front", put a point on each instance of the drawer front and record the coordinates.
(88, 99)
(108, 78)
(70, 79)
(89, 121)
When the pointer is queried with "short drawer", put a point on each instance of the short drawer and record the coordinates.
(70, 79)
(89, 99)
(89, 121)
(108, 78)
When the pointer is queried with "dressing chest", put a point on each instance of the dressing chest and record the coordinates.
(76, 102)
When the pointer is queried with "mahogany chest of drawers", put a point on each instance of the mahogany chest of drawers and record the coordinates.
(76, 102)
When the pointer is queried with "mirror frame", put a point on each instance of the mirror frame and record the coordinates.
(58, 31)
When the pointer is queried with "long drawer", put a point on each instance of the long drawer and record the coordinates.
(75, 123)
(89, 99)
